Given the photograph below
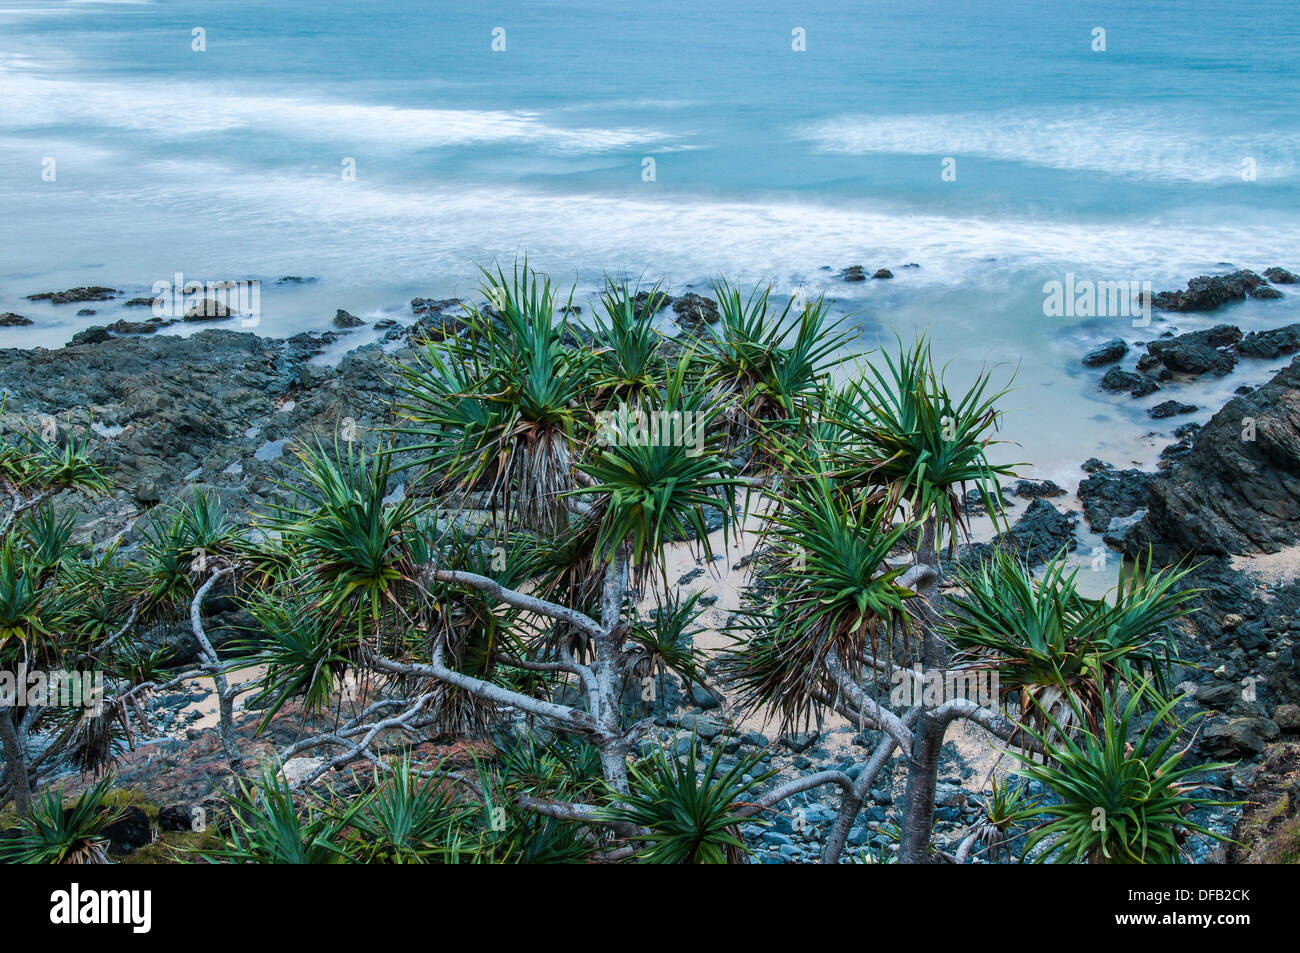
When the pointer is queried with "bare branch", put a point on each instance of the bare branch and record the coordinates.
(889, 723)
(796, 786)
(518, 599)
(575, 719)
(991, 721)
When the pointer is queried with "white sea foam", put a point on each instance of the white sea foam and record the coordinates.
(181, 111)
(360, 230)
(1141, 143)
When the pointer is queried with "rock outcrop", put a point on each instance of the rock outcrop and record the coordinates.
(1238, 490)
(1208, 292)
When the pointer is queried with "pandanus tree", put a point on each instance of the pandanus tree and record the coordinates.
(498, 584)
(883, 469)
(769, 362)
(570, 515)
(44, 626)
(69, 614)
(1122, 791)
(545, 473)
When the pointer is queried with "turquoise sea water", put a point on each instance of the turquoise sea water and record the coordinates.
(769, 163)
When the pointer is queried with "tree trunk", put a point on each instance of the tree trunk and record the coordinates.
(851, 803)
(225, 697)
(923, 774)
(922, 781)
(608, 675)
(16, 761)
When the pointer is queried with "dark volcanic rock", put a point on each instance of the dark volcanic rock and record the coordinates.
(139, 303)
(209, 309)
(1031, 490)
(1234, 738)
(85, 312)
(576, 336)
(973, 501)
(1209, 292)
(1118, 379)
(123, 326)
(11, 320)
(1175, 451)
(1198, 352)
(642, 300)
(129, 831)
(1238, 490)
(1280, 276)
(1171, 408)
(175, 817)
(695, 311)
(91, 335)
(180, 402)
(72, 295)
(423, 306)
(1241, 636)
(342, 319)
(1041, 532)
(434, 325)
(1270, 344)
(854, 273)
(1108, 353)
(883, 273)
(1109, 493)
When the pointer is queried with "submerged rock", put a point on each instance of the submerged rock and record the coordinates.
(1139, 385)
(1171, 408)
(1108, 353)
(122, 326)
(425, 306)
(695, 311)
(73, 295)
(11, 320)
(642, 300)
(209, 309)
(1208, 292)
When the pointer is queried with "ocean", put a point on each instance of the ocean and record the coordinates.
(387, 149)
